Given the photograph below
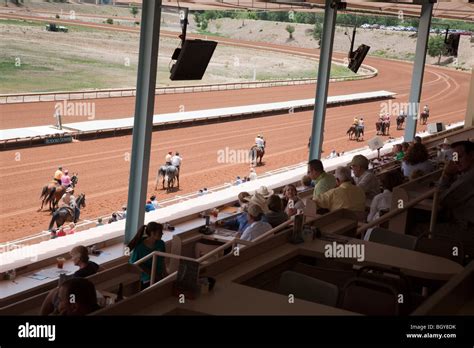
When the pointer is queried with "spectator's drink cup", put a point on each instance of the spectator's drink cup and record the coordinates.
(60, 261)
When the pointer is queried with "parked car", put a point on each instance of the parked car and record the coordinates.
(55, 27)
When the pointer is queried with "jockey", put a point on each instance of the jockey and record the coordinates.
(355, 122)
(168, 158)
(58, 174)
(176, 160)
(259, 141)
(361, 122)
(426, 110)
(66, 179)
(386, 118)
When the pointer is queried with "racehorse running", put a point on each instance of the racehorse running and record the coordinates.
(401, 121)
(355, 132)
(170, 174)
(67, 214)
(256, 155)
(52, 193)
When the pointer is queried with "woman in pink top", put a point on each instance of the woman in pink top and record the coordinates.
(66, 179)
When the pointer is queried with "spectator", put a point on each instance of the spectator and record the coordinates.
(99, 222)
(256, 227)
(204, 191)
(445, 153)
(456, 218)
(84, 294)
(154, 202)
(405, 147)
(61, 232)
(238, 181)
(275, 216)
(147, 240)
(322, 181)
(383, 201)
(252, 175)
(80, 258)
(239, 222)
(70, 229)
(293, 203)
(364, 178)
(113, 218)
(333, 154)
(416, 158)
(417, 140)
(121, 215)
(346, 195)
(149, 206)
(398, 152)
(306, 182)
(54, 233)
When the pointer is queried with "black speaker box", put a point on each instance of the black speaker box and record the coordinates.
(358, 57)
(192, 60)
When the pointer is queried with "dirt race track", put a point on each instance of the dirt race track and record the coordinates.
(103, 164)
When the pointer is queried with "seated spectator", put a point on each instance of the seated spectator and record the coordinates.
(239, 222)
(322, 181)
(417, 140)
(416, 158)
(364, 178)
(306, 182)
(445, 153)
(275, 216)
(456, 217)
(61, 232)
(70, 229)
(346, 195)
(124, 212)
(405, 147)
(238, 181)
(80, 258)
(383, 201)
(252, 175)
(113, 218)
(84, 294)
(147, 240)
(54, 233)
(99, 222)
(256, 227)
(154, 202)
(293, 203)
(149, 206)
(398, 152)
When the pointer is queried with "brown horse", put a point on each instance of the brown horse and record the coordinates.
(424, 117)
(66, 214)
(52, 193)
(256, 155)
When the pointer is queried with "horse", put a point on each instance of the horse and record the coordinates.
(256, 154)
(382, 127)
(67, 214)
(355, 132)
(52, 193)
(400, 121)
(424, 117)
(171, 173)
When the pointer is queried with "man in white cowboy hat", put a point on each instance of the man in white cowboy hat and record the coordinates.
(256, 226)
(264, 191)
(252, 174)
(258, 199)
(445, 153)
(68, 200)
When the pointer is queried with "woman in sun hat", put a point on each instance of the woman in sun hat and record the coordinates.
(258, 199)
(264, 191)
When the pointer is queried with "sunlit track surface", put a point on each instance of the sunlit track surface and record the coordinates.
(103, 164)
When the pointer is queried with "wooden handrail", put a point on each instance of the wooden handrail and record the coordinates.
(273, 230)
(395, 212)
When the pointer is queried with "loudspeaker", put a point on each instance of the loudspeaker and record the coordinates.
(375, 143)
(357, 57)
(435, 127)
(192, 60)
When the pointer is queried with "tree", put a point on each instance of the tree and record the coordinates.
(243, 15)
(134, 10)
(436, 47)
(218, 26)
(290, 29)
(318, 31)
